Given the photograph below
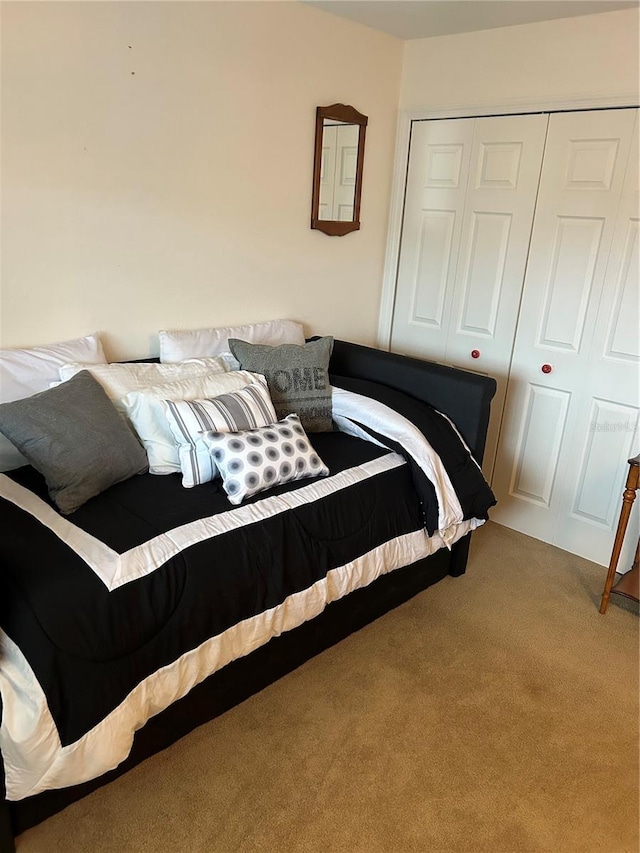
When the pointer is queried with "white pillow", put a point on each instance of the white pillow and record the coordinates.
(253, 460)
(246, 408)
(190, 343)
(144, 410)
(118, 380)
(24, 372)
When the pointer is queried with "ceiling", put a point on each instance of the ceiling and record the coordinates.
(414, 19)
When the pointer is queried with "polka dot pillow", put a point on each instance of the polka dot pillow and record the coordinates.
(256, 459)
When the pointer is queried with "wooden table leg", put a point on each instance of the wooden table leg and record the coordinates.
(628, 498)
(629, 583)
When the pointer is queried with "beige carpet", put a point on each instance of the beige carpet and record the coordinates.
(496, 712)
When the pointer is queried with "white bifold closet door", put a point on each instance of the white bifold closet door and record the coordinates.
(571, 415)
(469, 205)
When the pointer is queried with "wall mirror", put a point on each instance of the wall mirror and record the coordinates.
(337, 169)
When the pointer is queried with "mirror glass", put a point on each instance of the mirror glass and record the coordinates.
(337, 172)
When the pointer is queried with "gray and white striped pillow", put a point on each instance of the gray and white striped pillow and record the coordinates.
(247, 408)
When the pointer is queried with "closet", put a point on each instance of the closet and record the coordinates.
(519, 258)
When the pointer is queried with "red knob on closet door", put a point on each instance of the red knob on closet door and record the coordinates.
(546, 368)
(475, 353)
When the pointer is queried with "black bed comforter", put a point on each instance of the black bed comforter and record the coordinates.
(89, 646)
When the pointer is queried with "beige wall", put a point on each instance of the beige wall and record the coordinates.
(584, 57)
(157, 162)
(178, 195)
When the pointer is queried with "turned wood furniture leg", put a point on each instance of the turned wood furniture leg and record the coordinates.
(629, 583)
(628, 498)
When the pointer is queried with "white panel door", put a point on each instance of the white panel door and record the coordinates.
(505, 164)
(434, 208)
(471, 193)
(572, 401)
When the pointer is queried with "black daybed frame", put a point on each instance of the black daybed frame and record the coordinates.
(465, 398)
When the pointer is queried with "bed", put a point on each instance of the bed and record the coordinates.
(154, 608)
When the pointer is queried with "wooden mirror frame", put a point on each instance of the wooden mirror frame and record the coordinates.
(349, 115)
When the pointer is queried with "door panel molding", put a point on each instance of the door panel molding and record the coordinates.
(499, 165)
(489, 243)
(541, 431)
(443, 167)
(574, 254)
(591, 164)
(436, 239)
(609, 437)
(623, 340)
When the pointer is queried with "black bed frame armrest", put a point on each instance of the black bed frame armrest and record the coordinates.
(463, 396)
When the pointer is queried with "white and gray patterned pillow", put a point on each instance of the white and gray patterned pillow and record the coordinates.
(253, 460)
(246, 408)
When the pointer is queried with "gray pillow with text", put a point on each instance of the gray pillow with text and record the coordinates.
(297, 376)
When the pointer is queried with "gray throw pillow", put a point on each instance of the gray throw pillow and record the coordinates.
(297, 376)
(73, 435)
